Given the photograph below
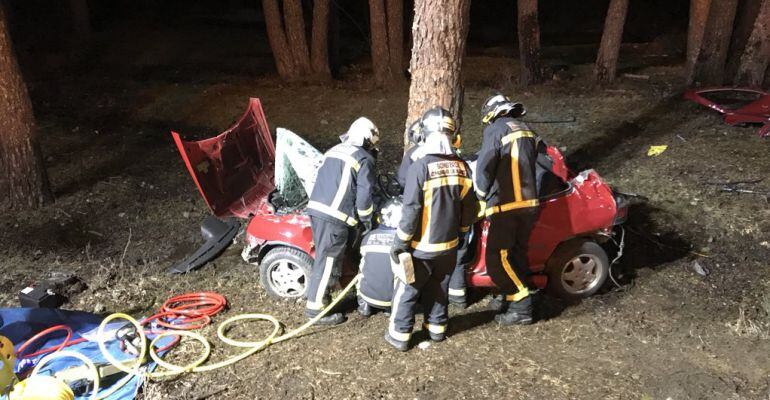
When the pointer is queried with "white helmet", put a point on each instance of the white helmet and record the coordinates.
(390, 215)
(362, 132)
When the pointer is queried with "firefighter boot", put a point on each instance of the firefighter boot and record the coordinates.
(518, 313)
(332, 319)
(435, 336)
(458, 300)
(364, 308)
(399, 345)
(497, 303)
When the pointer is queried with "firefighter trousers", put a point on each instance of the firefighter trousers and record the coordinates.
(506, 257)
(465, 254)
(330, 240)
(430, 290)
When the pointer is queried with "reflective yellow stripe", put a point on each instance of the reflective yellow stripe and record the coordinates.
(347, 158)
(512, 137)
(332, 212)
(374, 301)
(456, 292)
(482, 208)
(366, 212)
(426, 213)
(480, 194)
(312, 305)
(404, 337)
(518, 296)
(465, 229)
(403, 235)
(433, 328)
(375, 248)
(511, 206)
(511, 274)
(515, 175)
(435, 247)
(434, 183)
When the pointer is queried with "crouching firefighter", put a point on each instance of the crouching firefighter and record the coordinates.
(375, 289)
(416, 139)
(340, 200)
(437, 203)
(505, 180)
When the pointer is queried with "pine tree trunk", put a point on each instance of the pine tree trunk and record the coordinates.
(319, 49)
(24, 182)
(744, 24)
(710, 66)
(439, 32)
(529, 43)
(396, 36)
(699, 12)
(294, 20)
(81, 21)
(284, 61)
(380, 48)
(609, 49)
(756, 55)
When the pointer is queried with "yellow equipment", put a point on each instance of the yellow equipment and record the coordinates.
(7, 378)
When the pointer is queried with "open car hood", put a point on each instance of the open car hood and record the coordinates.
(233, 170)
(737, 105)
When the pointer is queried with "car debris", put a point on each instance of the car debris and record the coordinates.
(739, 106)
(218, 235)
(700, 269)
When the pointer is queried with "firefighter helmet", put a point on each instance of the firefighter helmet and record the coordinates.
(438, 120)
(362, 133)
(498, 105)
(415, 133)
(390, 215)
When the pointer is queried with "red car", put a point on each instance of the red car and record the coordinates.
(234, 174)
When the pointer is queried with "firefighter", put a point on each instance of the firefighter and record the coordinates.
(341, 200)
(375, 290)
(416, 138)
(438, 203)
(505, 181)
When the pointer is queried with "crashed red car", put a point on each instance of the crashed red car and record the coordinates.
(739, 106)
(234, 173)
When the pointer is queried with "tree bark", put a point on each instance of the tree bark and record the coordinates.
(295, 32)
(710, 65)
(744, 24)
(699, 11)
(24, 182)
(279, 44)
(439, 33)
(380, 48)
(395, 11)
(756, 55)
(609, 49)
(529, 43)
(319, 49)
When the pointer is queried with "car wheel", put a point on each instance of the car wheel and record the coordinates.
(284, 272)
(577, 269)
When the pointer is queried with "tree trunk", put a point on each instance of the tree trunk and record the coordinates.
(378, 23)
(24, 182)
(529, 43)
(710, 65)
(284, 62)
(294, 20)
(81, 21)
(396, 35)
(744, 24)
(439, 31)
(319, 49)
(607, 59)
(699, 11)
(756, 55)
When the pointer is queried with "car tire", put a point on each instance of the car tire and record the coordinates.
(577, 269)
(284, 272)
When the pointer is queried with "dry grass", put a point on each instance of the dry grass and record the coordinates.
(746, 327)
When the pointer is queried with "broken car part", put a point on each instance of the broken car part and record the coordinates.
(218, 235)
(739, 106)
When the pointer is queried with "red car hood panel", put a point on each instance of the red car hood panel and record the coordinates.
(233, 170)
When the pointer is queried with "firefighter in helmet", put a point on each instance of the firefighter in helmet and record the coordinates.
(341, 200)
(416, 138)
(438, 203)
(506, 181)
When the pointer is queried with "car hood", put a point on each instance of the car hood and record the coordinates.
(233, 170)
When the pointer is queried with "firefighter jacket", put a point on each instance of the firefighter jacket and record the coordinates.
(410, 156)
(438, 205)
(505, 170)
(343, 188)
(376, 284)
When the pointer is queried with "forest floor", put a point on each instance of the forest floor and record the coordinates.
(126, 209)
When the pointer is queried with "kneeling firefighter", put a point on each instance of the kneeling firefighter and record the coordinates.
(416, 139)
(505, 180)
(438, 203)
(375, 290)
(340, 200)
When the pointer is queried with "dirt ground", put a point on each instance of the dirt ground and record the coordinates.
(126, 210)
